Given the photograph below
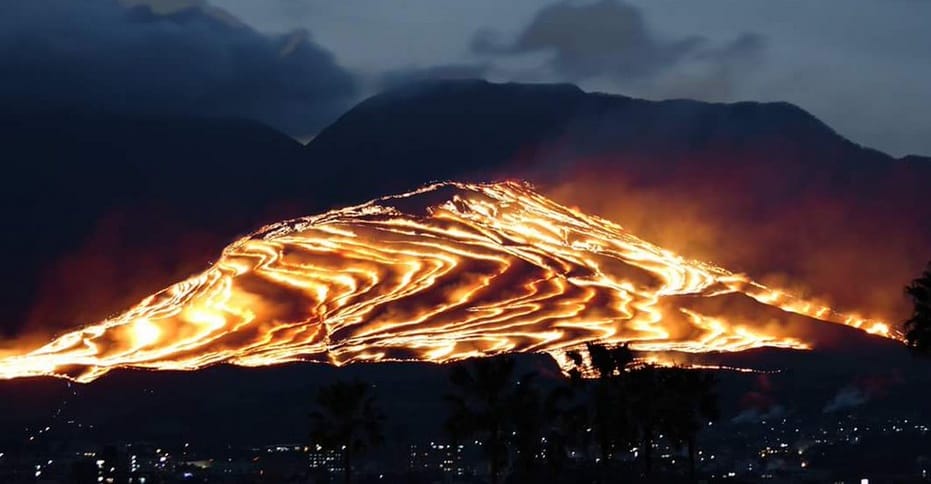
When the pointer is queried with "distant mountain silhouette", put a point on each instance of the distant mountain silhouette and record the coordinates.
(441, 129)
(140, 202)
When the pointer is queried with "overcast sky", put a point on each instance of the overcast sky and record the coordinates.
(863, 66)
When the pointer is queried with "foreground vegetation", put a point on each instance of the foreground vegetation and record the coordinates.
(530, 430)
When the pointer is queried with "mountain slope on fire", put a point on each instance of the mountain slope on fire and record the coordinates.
(445, 272)
(766, 189)
(760, 188)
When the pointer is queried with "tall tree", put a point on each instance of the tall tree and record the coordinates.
(346, 418)
(608, 394)
(565, 408)
(692, 402)
(918, 326)
(648, 396)
(481, 407)
(530, 429)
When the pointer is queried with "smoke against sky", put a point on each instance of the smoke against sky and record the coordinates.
(611, 42)
(604, 38)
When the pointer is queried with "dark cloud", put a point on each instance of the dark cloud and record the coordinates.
(592, 40)
(609, 39)
(190, 60)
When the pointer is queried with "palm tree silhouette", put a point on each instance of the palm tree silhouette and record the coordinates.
(609, 396)
(346, 418)
(647, 395)
(565, 408)
(918, 326)
(482, 407)
(609, 361)
(691, 403)
(530, 429)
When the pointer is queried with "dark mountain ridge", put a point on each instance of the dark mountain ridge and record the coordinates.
(463, 125)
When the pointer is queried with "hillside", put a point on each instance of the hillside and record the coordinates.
(765, 189)
(762, 188)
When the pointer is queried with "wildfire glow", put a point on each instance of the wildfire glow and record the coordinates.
(442, 273)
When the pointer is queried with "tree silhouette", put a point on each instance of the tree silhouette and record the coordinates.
(565, 408)
(648, 398)
(482, 407)
(530, 428)
(692, 402)
(610, 413)
(634, 403)
(918, 326)
(346, 418)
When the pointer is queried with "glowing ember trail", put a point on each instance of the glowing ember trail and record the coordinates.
(445, 272)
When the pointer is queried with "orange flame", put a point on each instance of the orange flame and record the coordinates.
(487, 269)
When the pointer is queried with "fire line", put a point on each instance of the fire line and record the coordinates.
(442, 273)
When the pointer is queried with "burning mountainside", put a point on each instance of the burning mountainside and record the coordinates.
(442, 273)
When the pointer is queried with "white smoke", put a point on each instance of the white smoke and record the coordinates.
(847, 397)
